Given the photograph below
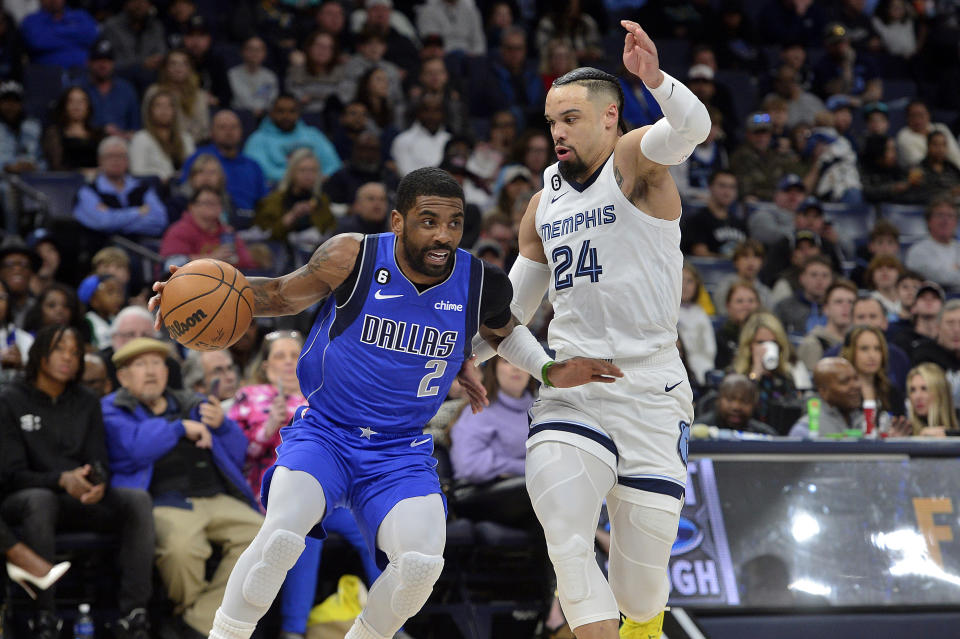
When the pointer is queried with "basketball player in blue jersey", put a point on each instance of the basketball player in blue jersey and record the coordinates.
(603, 239)
(401, 311)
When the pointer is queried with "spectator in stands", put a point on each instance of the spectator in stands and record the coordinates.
(56, 305)
(694, 326)
(490, 445)
(130, 323)
(808, 217)
(71, 140)
(114, 262)
(422, 144)
(95, 377)
(804, 246)
(566, 20)
(930, 407)
(43, 242)
(178, 76)
(213, 373)
(937, 257)
(368, 214)
(737, 399)
(103, 296)
(923, 326)
(272, 20)
(55, 453)
(838, 387)
(138, 39)
(884, 239)
(945, 352)
(177, 18)
(254, 87)
(489, 155)
(757, 166)
(802, 105)
(373, 92)
(297, 211)
(401, 48)
(11, 48)
(747, 259)
(881, 278)
(245, 180)
(867, 311)
(762, 335)
(354, 120)
(514, 84)
(842, 107)
(772, 224)
(832, 174)
(206, 170)
(458, 21)
(876, 116)
(801, 312)
(845, 71)
(371, 49)
(837, 308)
(209, 65)
(201, 233)
(866, 348)
(558, 59)
(912, 139)
(514, 195)
(116, 202)
(188, 455)
(940, 177)
(435, 79)
(15, 341)
(882, 177)
(57, 35)
(20, 149)
(365, 165)
(317, 74)
(894, 22)
(18, 264)
(791, 21)
(713, 231)
(908, 284)
(283, 131)
(116, 107)
(162, 146)
(533, 150)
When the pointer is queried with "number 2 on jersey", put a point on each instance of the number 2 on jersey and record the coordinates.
(587, 265)
(427, 388)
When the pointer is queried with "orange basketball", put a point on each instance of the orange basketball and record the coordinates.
(207, 305)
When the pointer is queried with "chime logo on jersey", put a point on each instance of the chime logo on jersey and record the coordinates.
(407, 337)
(573, 223)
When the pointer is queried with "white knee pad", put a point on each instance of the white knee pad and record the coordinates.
(571, 561)
(226, 628)
(417, 573)
(360, 630)
(279, 555)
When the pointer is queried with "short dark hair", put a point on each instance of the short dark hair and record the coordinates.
(718, 173)
(838, 284)
(866, 299)
(285, 96)
(910, 275)
(816, 259)
(47, 339)
(941, 199)
(884, 228)
(596, 82)
(205, 189)
(426, 181)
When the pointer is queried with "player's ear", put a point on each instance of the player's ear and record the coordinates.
(611, 117)
(396, 221)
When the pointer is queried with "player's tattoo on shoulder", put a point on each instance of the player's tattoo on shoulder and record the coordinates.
(618, 176)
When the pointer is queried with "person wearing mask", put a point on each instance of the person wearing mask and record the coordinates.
(737, 399)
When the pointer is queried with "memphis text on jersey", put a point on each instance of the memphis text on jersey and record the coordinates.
(573, 223)
(407, 337)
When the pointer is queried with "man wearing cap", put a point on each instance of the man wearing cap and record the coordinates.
(57, 35)
(923, 326)
(770, 224)
(759, 167)
(945, 352)
(18, 264)
(20, 149)
(113, 99)
(937, 257)
(701, 80)
(843, 70)
(209, 64)
(180, 447)
(129, 324)
(137, 38)
(54, 451)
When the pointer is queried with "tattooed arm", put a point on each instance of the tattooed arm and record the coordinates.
(289, 294)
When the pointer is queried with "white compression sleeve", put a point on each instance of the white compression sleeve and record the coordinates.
(685, 124)
(522, 349)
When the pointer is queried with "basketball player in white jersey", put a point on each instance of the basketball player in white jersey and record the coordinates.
(603, 238)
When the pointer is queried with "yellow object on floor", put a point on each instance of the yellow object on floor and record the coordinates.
(650, 629)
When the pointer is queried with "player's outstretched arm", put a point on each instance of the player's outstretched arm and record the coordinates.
(686, 122)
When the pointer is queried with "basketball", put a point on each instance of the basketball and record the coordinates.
(206, 305)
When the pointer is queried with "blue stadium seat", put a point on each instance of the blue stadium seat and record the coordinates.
(906, 217)
(60, 189)
(852, 221)
(713, 270)
(894, 89)
(42, 85)
(743, 90)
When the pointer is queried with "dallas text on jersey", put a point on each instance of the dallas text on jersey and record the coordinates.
(406, 337)
(573, 223)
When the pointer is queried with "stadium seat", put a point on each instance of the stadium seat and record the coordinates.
(743, 90)
(852, 221)
(712, 270)
(42, 85)
(897, 89)
(906, 217)
(57, 193)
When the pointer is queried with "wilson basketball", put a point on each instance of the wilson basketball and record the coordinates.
(207, 305)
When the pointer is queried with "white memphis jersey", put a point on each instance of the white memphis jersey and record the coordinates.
(616, 271)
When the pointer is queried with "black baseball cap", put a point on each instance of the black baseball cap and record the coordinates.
(197, 24)
(102, 49)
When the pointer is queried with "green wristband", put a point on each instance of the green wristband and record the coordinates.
(543, 374)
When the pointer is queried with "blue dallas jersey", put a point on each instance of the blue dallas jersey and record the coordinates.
(386, 358)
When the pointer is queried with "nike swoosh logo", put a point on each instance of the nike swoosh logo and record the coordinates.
(414, 444)
(558, 197)
(667, 389)
(381, 296)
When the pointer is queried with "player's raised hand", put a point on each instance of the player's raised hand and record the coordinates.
(472, 382)
(582, 370)
(640, 54)
(153, 304)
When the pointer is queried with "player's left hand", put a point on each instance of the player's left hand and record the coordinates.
(640, 55)
(582, 370)
(211, 413)
(471, 380)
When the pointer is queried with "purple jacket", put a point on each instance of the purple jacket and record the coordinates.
(136, 439)
(493, 442)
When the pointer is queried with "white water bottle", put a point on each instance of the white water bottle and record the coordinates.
(83, 626)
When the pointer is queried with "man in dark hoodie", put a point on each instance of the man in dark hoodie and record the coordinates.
(54, 451)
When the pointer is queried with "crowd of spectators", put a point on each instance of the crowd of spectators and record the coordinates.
(819, 226)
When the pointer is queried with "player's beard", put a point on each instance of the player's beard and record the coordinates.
(573, 170)
(417, 258)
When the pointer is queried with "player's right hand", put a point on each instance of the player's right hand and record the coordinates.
(582, 370)
(153, 304)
